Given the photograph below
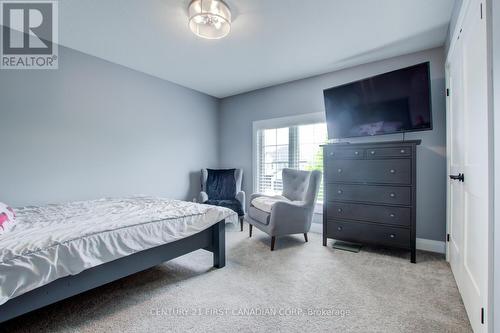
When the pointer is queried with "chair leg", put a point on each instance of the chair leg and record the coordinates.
(250, 229)
(305, 236)
(273, 242)
(241, 223)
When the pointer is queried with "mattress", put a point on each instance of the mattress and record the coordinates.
(50, 242)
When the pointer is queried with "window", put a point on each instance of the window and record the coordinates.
(296, 147)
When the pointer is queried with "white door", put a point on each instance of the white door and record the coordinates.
(456, 147)
(468, 148)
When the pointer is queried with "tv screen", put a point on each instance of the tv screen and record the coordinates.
(394, 102)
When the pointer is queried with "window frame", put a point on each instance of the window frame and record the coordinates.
(289, 121)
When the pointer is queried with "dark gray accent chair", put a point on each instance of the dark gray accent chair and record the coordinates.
(237, 203)
(288, 217)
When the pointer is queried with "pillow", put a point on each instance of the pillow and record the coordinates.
(265, 203)
(7, 218)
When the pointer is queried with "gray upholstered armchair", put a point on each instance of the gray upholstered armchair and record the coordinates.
(223, 188)
(290, 213)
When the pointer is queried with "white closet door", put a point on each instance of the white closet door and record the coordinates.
(468, 147)
(456, 150)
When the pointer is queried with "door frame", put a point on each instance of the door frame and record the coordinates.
(448, 214)
(493, 168)
(494, 19)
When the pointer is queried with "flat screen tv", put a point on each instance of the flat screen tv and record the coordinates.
(394, 102)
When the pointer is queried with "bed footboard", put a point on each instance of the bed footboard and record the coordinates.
(211, 239)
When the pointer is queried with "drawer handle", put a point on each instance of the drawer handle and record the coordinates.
(356, 153)
(339, 170)
(402, 151)
(340, 191)
(372, 152)
(339, 210)
(392, 195)
(393, 171)
(392, 215)
(392, 236)
(339, 228)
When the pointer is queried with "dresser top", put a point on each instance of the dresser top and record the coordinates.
(372, 144)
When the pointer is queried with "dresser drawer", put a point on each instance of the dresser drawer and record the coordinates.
(394, 195)
(396, 171)
(345, 153)
(388, 152)
(368, 233)
(400, 216)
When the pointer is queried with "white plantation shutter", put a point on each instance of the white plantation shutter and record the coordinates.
(296, 147)
(274, 152)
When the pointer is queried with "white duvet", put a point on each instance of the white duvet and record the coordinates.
(53, 241)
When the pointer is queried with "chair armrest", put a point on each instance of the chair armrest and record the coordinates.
(240, 196)
(202, 197)
(291, 217)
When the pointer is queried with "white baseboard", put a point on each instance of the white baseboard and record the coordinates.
(431, 245)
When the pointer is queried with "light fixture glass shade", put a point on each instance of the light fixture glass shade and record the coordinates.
(209, 19)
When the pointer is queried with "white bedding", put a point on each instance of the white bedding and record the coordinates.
(54, 241)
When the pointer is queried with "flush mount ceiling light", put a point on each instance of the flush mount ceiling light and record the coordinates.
(209, 19)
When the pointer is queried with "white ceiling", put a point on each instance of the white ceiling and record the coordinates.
(271, 42)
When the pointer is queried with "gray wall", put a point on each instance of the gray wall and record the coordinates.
(94, 129)
(306, 96)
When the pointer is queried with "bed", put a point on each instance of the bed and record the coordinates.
(57, 251)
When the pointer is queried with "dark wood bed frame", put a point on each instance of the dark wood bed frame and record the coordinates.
(212, 239)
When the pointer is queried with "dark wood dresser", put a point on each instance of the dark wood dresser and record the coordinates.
(370, 193)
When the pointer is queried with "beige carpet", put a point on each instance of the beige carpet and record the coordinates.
(297, 288)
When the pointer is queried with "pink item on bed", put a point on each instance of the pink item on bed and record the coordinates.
(7, 218)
